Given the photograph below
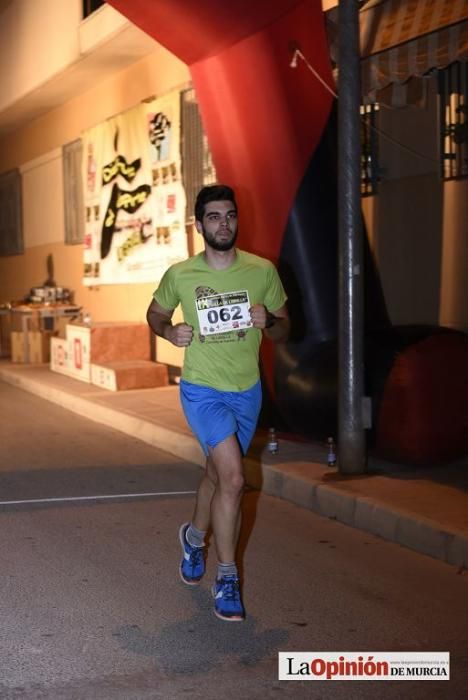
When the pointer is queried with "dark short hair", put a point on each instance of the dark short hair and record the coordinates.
(213, 193)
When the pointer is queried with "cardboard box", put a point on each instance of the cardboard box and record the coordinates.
(35, 347)
(79, 352)
(103, 377)
(130, 374)
(59, 355)
(17, 346)
(39, 346)
(101, 343)
(114, 342)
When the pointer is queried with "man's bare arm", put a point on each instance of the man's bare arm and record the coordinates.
(275, 326)
(160, 322)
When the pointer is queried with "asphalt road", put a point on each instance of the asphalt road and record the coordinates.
(92, 606)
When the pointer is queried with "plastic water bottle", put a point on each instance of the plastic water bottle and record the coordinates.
(331, 454)
(272, 444)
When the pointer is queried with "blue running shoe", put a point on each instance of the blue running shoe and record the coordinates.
(228, 604)
(192, 565)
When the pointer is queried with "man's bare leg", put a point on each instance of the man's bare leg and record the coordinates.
(225, 521)
(206, 488)
(225, 503)
(192, 535)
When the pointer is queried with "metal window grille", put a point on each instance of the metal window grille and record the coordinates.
(197, 165)
(369, 149)
(11, 230)
(90, 6)
(73, 192)
(453, 116)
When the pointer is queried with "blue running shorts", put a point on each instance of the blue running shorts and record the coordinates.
(213, 415)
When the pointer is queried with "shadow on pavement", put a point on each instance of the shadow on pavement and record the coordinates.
(202, 642)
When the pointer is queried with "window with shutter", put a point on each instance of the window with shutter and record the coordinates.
(197, 165)
(453, 116)
(11, 230)
(369, 149)
(73, 192)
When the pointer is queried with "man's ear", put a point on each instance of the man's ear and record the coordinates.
(198, 226)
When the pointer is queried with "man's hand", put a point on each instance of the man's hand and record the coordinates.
(159, 320)
(259, 315)
(275, 326)
(180, 335)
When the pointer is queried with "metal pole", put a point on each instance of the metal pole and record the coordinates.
(351, 436)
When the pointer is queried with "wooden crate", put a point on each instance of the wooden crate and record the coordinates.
(38, 346)
(113, 342)
(17, 347)
(129, 374)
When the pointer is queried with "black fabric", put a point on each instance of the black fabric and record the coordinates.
(306, 366)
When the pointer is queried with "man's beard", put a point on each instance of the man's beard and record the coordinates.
(219, 245)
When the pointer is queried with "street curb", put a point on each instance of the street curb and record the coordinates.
(369, 515)
(175, 443)
(361, 512)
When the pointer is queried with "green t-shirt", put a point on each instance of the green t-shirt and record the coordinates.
(215, 299)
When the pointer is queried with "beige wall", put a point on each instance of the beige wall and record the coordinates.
(41, 40)
(153, 75)
(408, 247)
(417, 229)
(416, 129)
(417, 223)
(42, 194)
(106, 303)
(36, 150)
(38, 40)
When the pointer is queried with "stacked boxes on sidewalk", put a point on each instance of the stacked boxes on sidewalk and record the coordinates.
(113, 356)
(38, 344)
(31, 330)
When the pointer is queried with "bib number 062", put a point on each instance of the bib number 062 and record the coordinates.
(221, 313)
(224, 314)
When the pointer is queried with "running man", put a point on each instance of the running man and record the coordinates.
(229, 298)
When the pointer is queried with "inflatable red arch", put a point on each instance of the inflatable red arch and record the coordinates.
(272, 135)
(262, 118)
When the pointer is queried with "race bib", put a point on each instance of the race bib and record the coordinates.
(221, 313)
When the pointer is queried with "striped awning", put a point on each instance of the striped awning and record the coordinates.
(405, 38)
